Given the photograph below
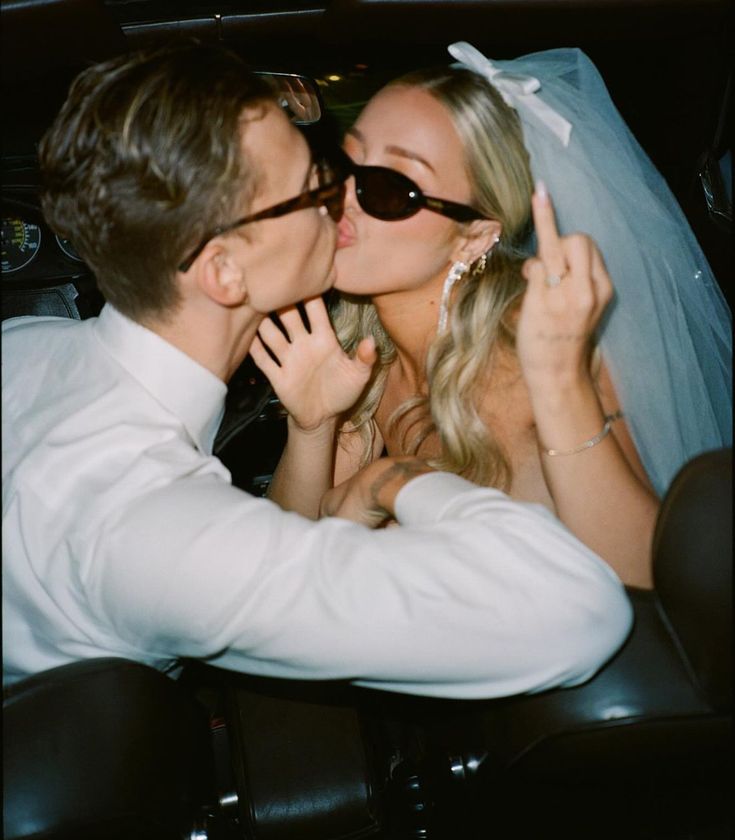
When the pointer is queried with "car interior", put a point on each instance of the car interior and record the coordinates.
(110, 748)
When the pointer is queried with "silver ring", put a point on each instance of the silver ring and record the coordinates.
(553, 280)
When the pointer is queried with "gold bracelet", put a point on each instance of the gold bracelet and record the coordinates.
(593, 441)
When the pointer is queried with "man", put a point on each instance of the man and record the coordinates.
(199, 208)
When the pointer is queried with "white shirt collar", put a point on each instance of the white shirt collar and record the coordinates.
(183, 386)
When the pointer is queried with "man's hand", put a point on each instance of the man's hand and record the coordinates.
(368, 497)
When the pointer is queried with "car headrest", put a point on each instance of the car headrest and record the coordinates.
(692, 569)
(103, 748)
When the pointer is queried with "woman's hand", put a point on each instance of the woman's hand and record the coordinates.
(568, 290)
(313, 377)
(596, 480)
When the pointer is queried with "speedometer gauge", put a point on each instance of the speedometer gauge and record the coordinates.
(68, 248)
(21, 242)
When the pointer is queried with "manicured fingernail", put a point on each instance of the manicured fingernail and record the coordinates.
(541, 192)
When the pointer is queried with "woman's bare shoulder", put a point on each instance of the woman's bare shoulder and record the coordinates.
(349, 452)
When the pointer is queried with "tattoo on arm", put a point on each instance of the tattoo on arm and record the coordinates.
(403, 469)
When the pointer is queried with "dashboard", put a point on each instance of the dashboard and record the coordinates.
(39, 268)
(22, 244)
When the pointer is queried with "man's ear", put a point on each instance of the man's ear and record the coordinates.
(220, 275)
(478, 238)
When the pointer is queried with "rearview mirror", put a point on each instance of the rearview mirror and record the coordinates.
(298, 96)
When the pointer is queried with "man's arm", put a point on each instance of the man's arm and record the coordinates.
(478, 596)
(369, 496)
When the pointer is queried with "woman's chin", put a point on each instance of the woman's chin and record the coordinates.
(348, 279)
(349, 286)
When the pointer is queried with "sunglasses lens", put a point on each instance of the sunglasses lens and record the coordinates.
(386, 194)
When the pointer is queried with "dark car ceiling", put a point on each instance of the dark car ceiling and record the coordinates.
(428, 21)
(40, 35)
(666, 62)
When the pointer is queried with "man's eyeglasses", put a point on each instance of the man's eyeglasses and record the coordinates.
(381, 192)
(330, 194)
(391, 196)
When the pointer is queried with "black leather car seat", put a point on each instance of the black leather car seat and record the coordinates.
(59, 301)
(103, 749)
(641, 750)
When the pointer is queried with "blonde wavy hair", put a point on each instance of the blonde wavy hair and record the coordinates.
(460, 360)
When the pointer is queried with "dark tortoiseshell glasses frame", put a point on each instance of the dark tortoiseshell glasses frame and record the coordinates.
(330, 194)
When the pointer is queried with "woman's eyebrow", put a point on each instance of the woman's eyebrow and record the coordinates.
(399, 150)
(393, 150)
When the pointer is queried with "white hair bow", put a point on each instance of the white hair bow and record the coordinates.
(516, 89)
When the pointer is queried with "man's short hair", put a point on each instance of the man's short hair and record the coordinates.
(143, 160)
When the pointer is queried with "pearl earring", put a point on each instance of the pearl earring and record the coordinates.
(457, 270)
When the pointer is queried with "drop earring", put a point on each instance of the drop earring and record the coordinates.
(481, 264)
(457, 270)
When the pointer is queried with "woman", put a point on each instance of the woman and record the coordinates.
(501, 370)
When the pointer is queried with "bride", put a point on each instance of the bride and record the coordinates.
(537, 375)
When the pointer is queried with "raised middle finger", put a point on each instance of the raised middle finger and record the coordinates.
(549, 245)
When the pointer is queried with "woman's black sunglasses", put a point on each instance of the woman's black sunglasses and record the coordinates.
(330, 194)
(381, 192)
(391, 196)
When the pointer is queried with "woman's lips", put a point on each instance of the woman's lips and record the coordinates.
(345, 233)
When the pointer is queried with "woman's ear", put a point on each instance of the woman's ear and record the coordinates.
(479, 238)
(220, 275)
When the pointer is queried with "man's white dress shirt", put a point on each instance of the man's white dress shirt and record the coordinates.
(123, 536)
